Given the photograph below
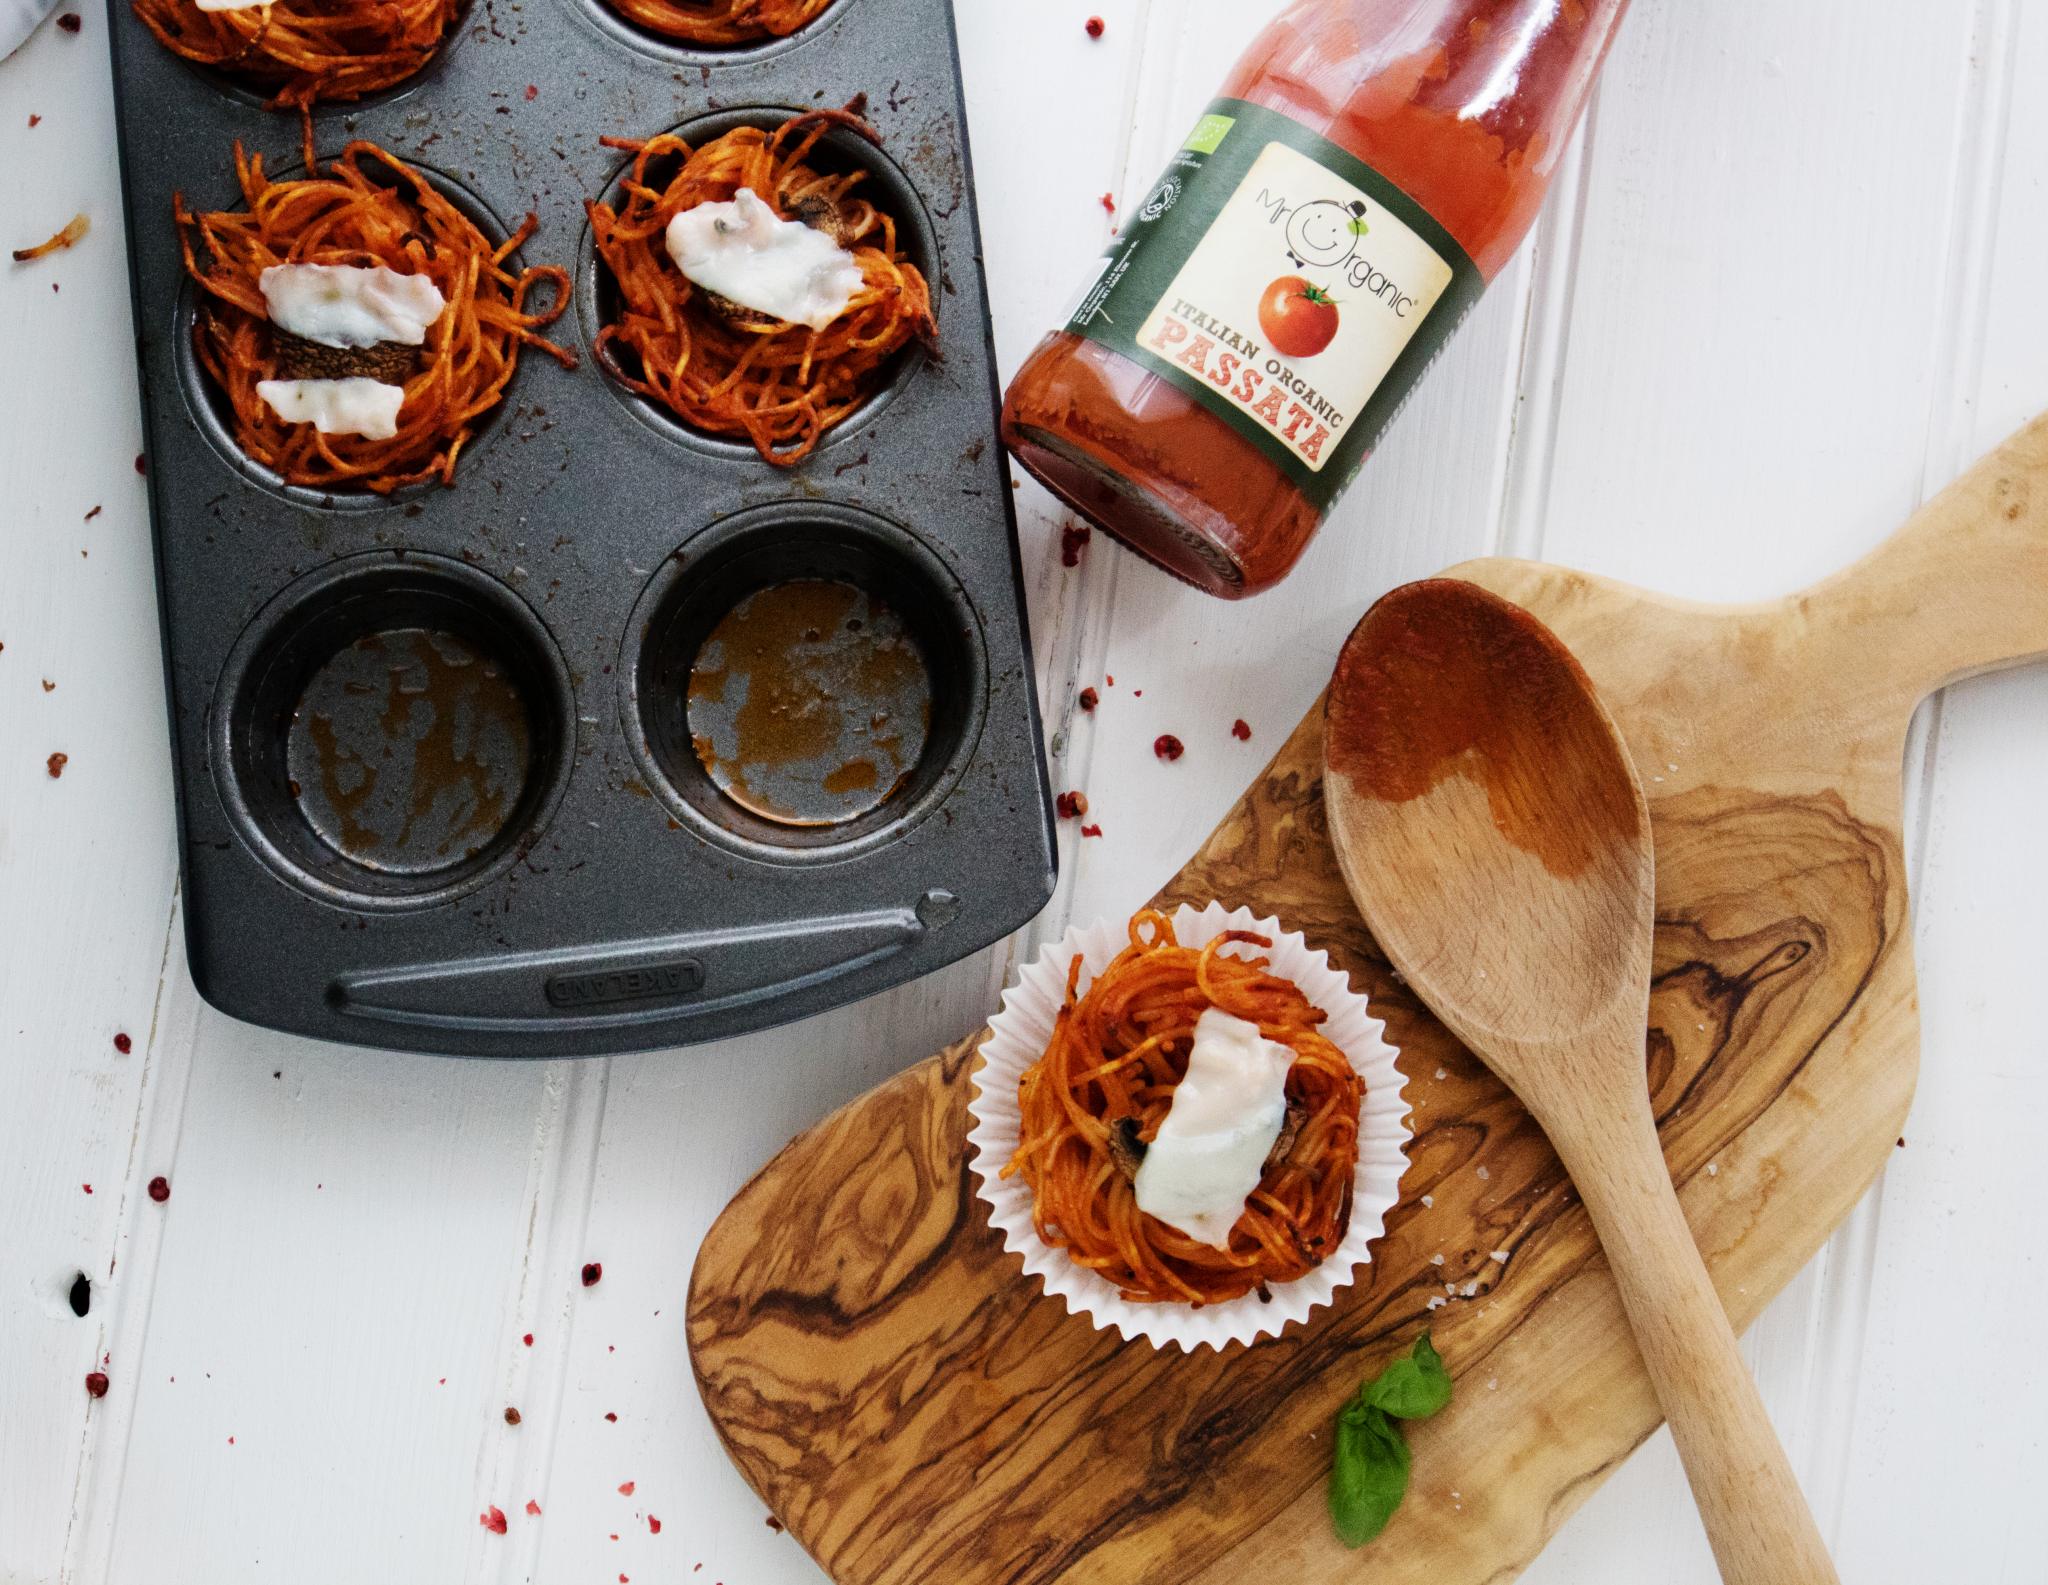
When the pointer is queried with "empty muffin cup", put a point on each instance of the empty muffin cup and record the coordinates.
(393, 730)
(807, 677)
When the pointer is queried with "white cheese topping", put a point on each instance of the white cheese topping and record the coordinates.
(355, 406)
(347, 305)
(1213, 1142)
(231, 5)
(745, 252)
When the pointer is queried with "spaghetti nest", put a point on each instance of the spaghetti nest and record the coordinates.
(370, 208)
(779, 385)
(303, 51)
(1116, 1053)
(720, 22)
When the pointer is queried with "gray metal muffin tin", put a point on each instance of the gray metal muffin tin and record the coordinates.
(588, 543)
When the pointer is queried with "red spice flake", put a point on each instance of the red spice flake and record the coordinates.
(87, 1187)
(1089, 700)
(527, 1340)
(1095, 26)
(1902, 1141)
(33, 118)
(1137, 693)
(533, 1507)
(614, 1419)
(1072, 540)
(1072, 805)
(57, 762)
(532, 91)
(1168, 747)
(1110, 679)
(49, 686)
(1241, 730)
(70, 22)
(1091, 831)
(96, 1383)
(653, 1525)
(625, 1488)
(95, 512)
(511, 1415)
(159, 1189)
(775, 1524)
(141, 463)
(123, 1044)
(592, 1270)
(231, 1441)
(1109, 203)
(492, 1519)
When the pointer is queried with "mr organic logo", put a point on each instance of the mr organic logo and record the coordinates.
(1332, 237)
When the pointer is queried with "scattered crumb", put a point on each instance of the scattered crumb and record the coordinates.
(1095, 26)
(96, 1384)
(56, 764)
(593, 1271)
(49, 686)
(1442, 1074)
(70, 22)
(1073, 540)
(1091, 831)
(625, 1488)
(1089, 700)
(653, 1525)
(123, 1044)
(532, 91)
(1072, 805)
(1493, 1384)
(1168, 747)
(775, 1524)
(160, 1189)
(95, 512)
(1241, 730)
(528, 1339)
(511, 1415)
(614, 1419)
(492, 1518)
(1109, 203)
(533, 1507)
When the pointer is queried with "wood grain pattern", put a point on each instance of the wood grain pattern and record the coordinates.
(914, 1410)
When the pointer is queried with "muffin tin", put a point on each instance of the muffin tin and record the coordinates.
(454, 765)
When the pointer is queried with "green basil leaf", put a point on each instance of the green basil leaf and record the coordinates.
(1369, 1475)
(1370, 1461)
(1411, 1388)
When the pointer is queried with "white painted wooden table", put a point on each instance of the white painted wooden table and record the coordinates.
(1794, 276)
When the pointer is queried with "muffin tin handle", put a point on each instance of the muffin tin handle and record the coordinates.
(650, 982)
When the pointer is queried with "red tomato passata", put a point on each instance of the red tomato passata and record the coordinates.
(1300, 319)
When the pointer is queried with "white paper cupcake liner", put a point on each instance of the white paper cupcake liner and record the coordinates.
(1018, 1036)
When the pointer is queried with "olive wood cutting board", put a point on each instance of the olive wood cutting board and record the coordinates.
(914, 1409)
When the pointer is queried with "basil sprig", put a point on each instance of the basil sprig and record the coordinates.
(1369, 1474)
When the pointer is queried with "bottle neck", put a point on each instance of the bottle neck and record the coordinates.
(1466, 105)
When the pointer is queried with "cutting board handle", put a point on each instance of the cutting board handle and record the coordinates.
(1961, 589)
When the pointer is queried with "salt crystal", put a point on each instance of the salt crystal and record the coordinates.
(1436, 1302)
(1443, 1073)
(1436, 1260)
(1713, 1169)
(1501, 1255)
(1493, 1384)
(1428, 1201)
(1484, 1175)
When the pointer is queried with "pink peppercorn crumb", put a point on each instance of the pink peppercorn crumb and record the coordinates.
(492, 1519)
(1089, 700)
(70, 22)
(1095, 27)
(625, 1488)
(533, 1507)
(1241, 730)
(1072, 805)
(653, 1525)
(592, 1271)
(87, 1187)
(614, 1419)
(96, 1383)
(1109, 203)
(527, 1340)
(1168, 747)
(533, 91)
(123, 1044)
(1073, 539)
(1091, 831)
(159, 1189)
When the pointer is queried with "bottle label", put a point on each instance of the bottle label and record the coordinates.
(1285, 285)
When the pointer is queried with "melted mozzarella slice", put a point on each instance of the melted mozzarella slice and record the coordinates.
(348, 305)
(353, 406)
(747, 253)
(1212, 1144)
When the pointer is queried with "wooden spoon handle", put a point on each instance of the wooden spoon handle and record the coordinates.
(1757, 1520)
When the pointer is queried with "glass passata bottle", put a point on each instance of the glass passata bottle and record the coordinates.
(1369, 167)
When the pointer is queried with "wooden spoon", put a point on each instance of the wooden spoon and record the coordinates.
(1494, 835)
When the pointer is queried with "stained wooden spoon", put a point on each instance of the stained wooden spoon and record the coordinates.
(1493, 832)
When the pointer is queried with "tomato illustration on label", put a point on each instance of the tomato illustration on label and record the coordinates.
(1300, 319)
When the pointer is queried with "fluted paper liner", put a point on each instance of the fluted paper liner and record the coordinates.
(1018, 1036)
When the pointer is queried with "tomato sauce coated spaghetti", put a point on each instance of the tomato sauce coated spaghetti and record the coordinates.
(1109, 1071)
(305, 51)
(369, 208)
(720, 23)
(777, 385)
